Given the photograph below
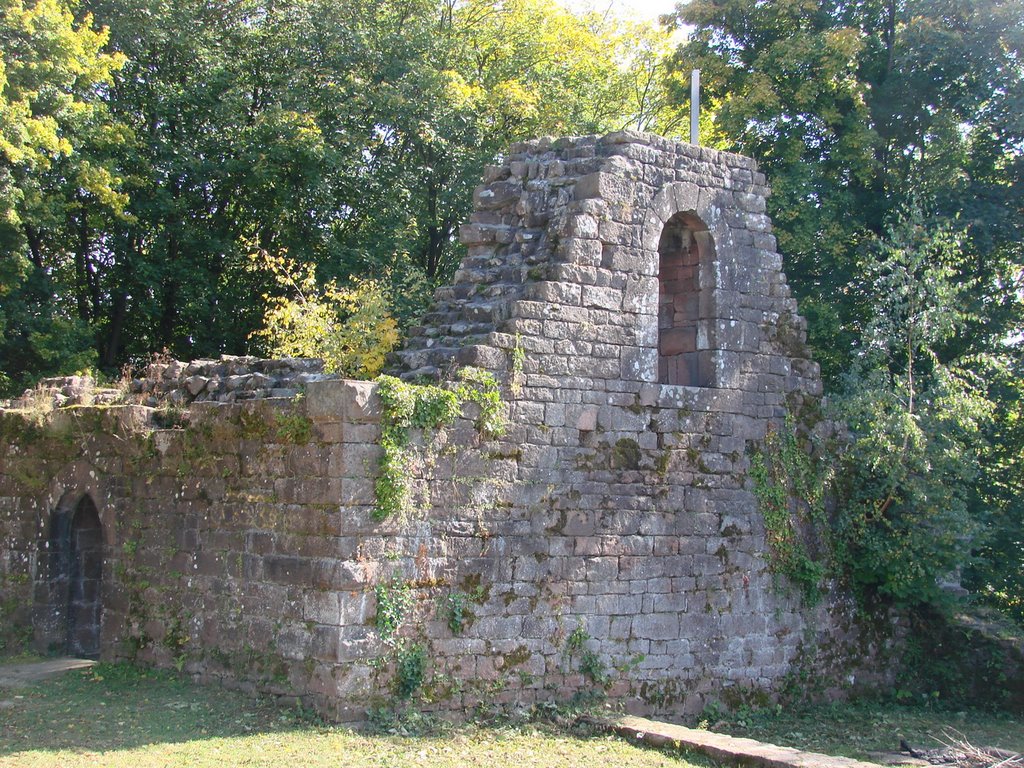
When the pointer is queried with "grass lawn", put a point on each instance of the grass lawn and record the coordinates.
(118, 716)
(857, 730)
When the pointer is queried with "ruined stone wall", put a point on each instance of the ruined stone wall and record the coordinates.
(239, 542)
(610, 539)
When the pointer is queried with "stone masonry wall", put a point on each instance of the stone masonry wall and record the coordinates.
(609, 539)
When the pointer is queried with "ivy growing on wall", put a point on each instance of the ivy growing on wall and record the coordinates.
(589, 664)
(790, 491)
(515, 384)
(410, 669)
(393, 603)
(426, 407)
(456, 610)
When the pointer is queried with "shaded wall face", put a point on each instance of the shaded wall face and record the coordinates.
(53, 585)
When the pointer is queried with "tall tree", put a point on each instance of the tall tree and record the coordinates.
(52, 73)
(854, 109)
(861, 112)
(909, 509)
(348, 136)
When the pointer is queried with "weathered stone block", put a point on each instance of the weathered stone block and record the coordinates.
(342, 400)
(656, 626)
(497, 194)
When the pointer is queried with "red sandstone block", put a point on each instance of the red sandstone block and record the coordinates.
(323, 643)
(586, 545)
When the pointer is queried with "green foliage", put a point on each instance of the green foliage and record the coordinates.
(518, 362)
(176, 640)
(967, 659)
(860, 113)
(394, 601)
(417, 406)
(456, 608)
(352, 331)
(909, 511)
(425, 407)
(392, 490)
(52, 69)
(293, 428)
(134, 185)
(589, 663)
(405, 406)
(790, 491)
(480, 387)
(410, 669)
(855, 109)
(996, 574)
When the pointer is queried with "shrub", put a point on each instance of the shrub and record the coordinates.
(351, 329)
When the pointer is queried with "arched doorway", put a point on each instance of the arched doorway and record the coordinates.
(685, 250)
(76, 578)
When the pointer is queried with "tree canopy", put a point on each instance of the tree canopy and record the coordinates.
(52, 72)
(858, 111)
(172, 140)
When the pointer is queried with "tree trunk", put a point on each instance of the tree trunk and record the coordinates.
(81, 269)
(111, 351)
(169, 302)
(35, 245)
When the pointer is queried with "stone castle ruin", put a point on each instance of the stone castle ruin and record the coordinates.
(627, 294)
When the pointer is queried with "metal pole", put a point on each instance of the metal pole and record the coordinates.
(695, 107)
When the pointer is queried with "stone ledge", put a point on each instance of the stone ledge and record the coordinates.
(728, 749)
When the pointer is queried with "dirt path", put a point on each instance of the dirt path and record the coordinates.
(20, 675)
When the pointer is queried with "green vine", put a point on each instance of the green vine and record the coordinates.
(480, 387)
(426, 407)
(790, 494)
(457, 610)
(293, 428)
(393, 603)
(589, 664)
(410, 669)
(518, 362)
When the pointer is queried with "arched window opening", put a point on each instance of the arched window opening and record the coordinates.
(684, 251)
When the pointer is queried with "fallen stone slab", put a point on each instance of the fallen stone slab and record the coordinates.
(728, 749)
(20, 675)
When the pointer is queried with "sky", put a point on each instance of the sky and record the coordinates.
(641, 9)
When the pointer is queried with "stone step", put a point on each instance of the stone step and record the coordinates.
(728, 749)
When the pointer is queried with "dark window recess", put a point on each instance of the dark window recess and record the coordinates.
(685, 251)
